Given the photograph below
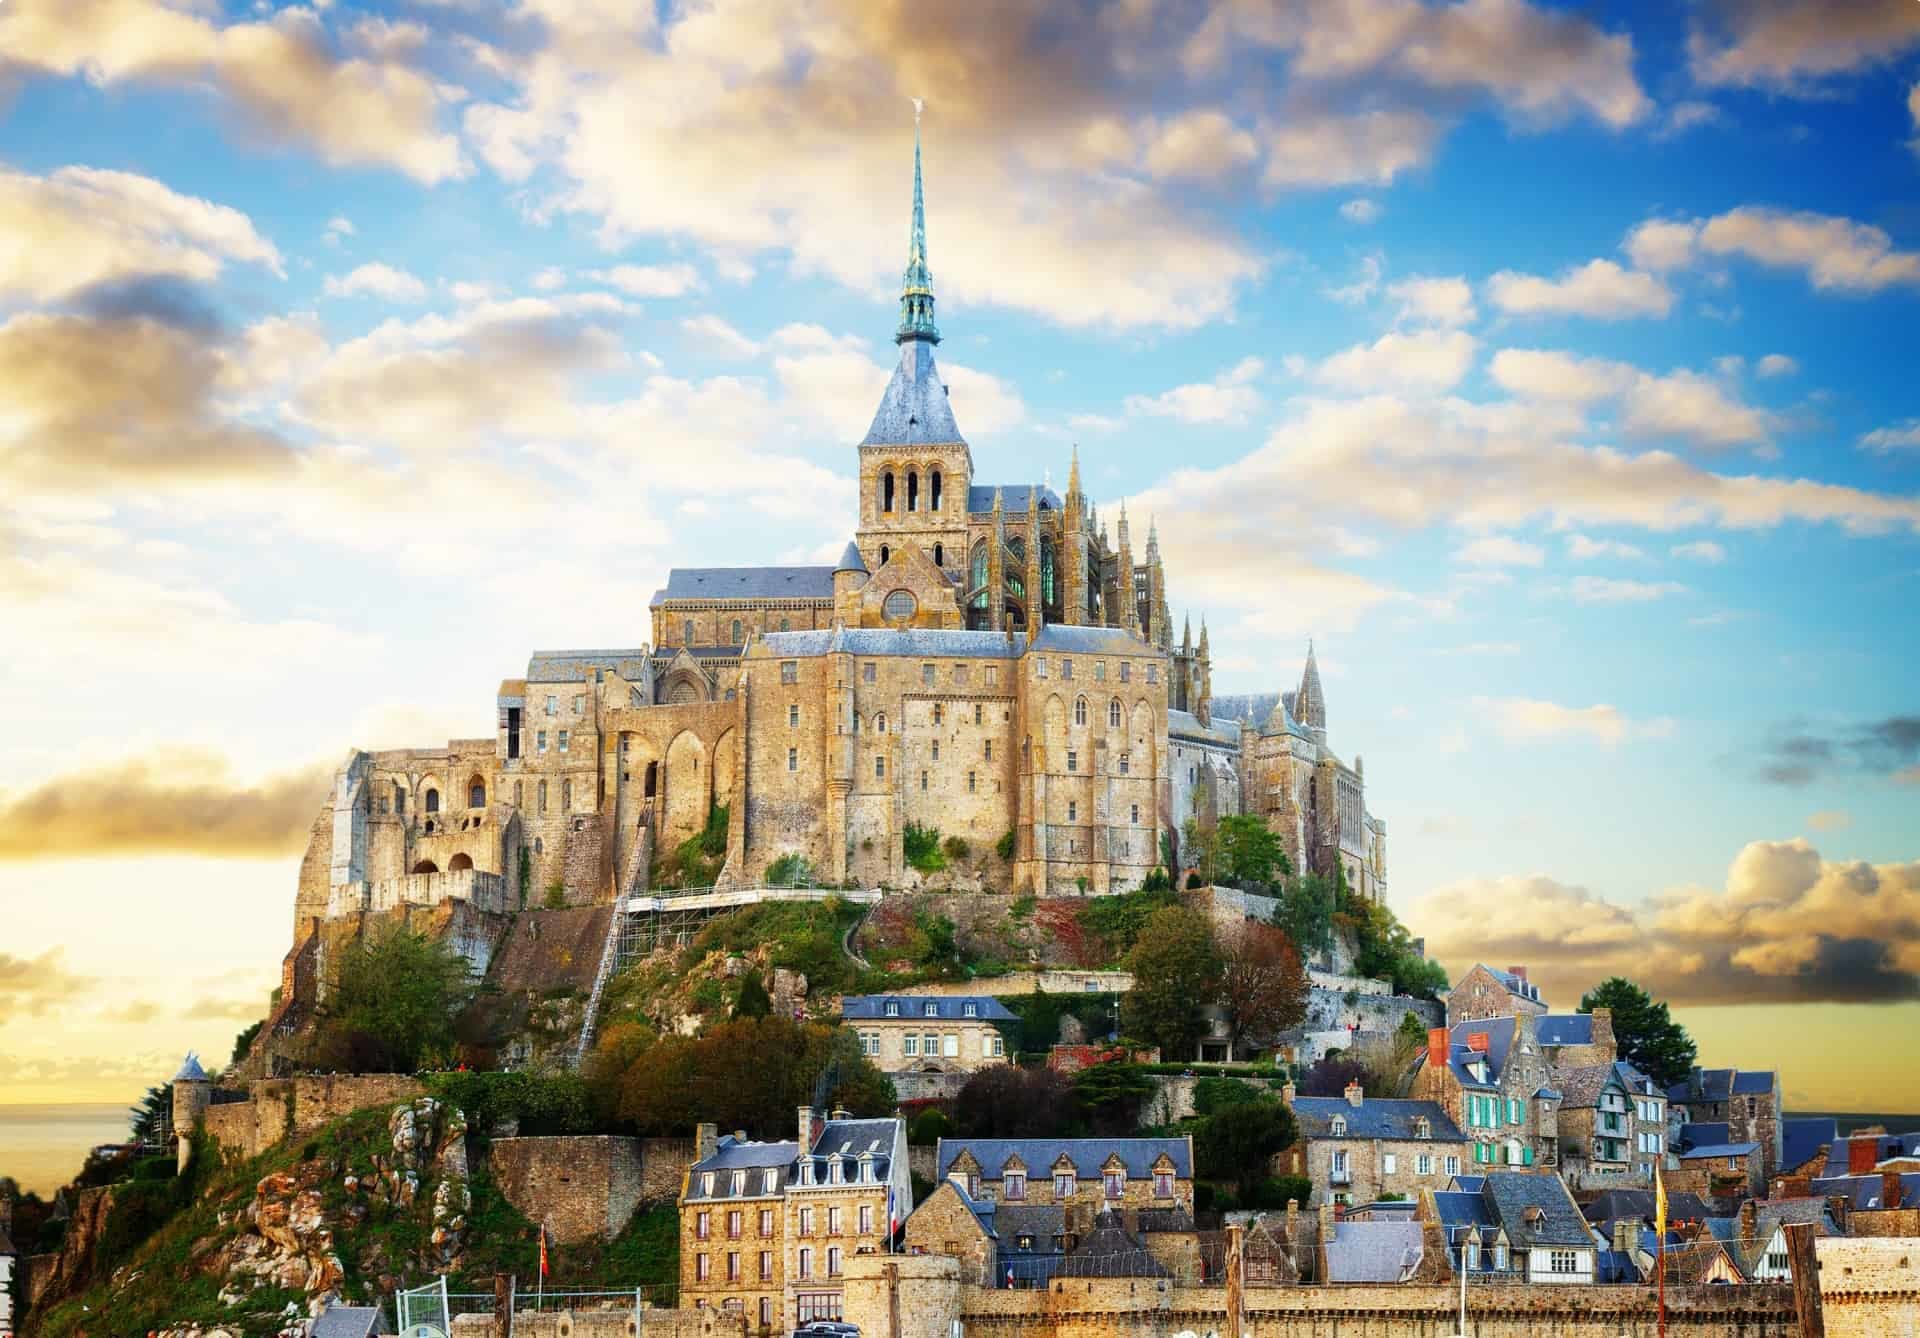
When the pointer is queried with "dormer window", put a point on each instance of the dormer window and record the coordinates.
(971, 1010)
(1337, 1126)
(893, 1009)
(1016, 1185)
(706, 1183)
(772, 1183)
(930, 1010)
(1423, 1127)
(806, 1171)
(739, 1182)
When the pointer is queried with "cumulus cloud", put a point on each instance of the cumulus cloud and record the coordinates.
(1368, 148)
(1498, 550)
(1434, 301)
(1429, 361)
(1229, 398)
(283, 77)
(1611, 590)
(714, 334)
(1902, 436)
(175, 803)
(1799, 753)
(1200, 145)
(1787, 926)
(377, 280)
(80, 227)
(1583, 548)
(1527, 718)
(1776, 364)
(1830, 820)
(1793, 44)
(1836, 254)
(652, 280)
(1599, 288)
(1679, 404)
(35, 986)
(1701, 550)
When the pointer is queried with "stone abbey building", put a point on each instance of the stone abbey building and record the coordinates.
(984, 659)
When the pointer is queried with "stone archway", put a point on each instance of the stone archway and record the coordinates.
(689, 787)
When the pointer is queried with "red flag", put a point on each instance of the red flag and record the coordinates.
(543, 1249)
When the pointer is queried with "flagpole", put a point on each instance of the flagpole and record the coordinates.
(1660, 1228)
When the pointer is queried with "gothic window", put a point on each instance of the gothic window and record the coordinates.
(939, 550)
(885, 553)
(913, 490)
(686, 636)
(1079, 710)
(736, 632)
(886, 495)
(433, 801)
(566, 796)
(399, 800)
(477, 795)
(933, 500)
(1047, 594)
(977, 571)
(1113, 714)
(899, 606)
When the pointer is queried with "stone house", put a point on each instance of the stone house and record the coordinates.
(1884, 1203)
(1485, 992)
(1718, 1170)
(929, 1034)
(1083, 1176)
(1495, 1078)
(1613, 1124)
(766, 1228)
(1747, 1101)
(1516, 1225)
(1757, 1239)
(1355, 1150)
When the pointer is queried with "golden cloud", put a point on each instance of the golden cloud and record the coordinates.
(33, 986)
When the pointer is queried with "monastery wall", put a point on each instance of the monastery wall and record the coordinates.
(278, 1108)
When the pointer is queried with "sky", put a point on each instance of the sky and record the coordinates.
(1549, 365)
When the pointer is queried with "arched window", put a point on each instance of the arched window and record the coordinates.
(736, 633)
(933, 500)
(566, 796)
(433, 801)
(426, 866)
(1047, 595)
(880, 723)
(977, 568)
(653, 778)
(885, 553)
(686, 632)
(899, 606)
(461, 861)
(886, 494)
(913, 490)
(476, 793)
(400, 799)
(939, 550)
(519, 795)
(542, 797)
(1113, 714)
(1079, 710)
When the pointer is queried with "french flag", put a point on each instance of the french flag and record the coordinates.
(1009, 1275)
(893, 1214)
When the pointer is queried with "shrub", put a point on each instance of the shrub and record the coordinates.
(957, 848)
(1157, 881)
(923, 848)
(1211, 1095)
(929, 1127)
(790, 870)
(1005, 846)
(556, 898)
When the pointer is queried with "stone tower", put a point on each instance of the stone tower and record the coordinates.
(192, 1094)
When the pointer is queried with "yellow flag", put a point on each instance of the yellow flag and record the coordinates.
(1659, 1206)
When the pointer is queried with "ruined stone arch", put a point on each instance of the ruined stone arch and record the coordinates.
(426, 866)
(689, 787)
(726, 755)
(460, 861)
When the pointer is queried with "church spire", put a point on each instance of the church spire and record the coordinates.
(916, 285)
(1073, 473)
(1310, 704)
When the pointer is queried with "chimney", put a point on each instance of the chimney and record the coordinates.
(1355, 1094)
(806, 1129)
(1479, 1042)
(1518, 972)
(839, 1113)
(1626, 1235)
(706, 1140)
(1437, 1047)
(1889, 1189)
(1748, 1211)
(1288, 1093)
(1603, 1031)
(1863, 1154)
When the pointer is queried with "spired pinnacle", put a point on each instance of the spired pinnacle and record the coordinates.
(916, 284)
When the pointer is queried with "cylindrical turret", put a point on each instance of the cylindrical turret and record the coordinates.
(192, 1094)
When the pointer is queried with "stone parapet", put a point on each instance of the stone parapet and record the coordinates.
(486, 892)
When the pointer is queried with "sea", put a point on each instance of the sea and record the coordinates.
(43, 1147)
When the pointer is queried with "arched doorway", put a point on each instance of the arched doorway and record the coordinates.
(461, 861)
(426, 866)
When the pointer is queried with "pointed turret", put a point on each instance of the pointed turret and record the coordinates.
(996, 565)
(1159, 630)
(1129, 610)
(1036, 596)
(1309, 704)
(1073, 473)
(1203, 678)
(1186, 636)
(916, 283)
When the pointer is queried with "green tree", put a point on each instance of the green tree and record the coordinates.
(1236, 1143)
(1386, 951)
(1647, 1035)
(148, 1120)
(1200, 849)
(754, 1000)
(244, 1041)
(393, 1004)
(1249, 851)
(1304, 912)
(1005, 1101)
(1176, 972)
(1110, 1096)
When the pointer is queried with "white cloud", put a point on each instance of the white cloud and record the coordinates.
(1365, 284)
(651, 280)
(1584, 549)
(1229, 398)
(78, 227)
(1776, 364)
(1791, 45)
(1498, 550)
(717, 336)
(337, 227)
(1609, 590)
(1200, 145)
(1526, 718)
(1684, 116)
(1836, 254)
(1679, 404)
(1362, 211)
(1600, 288)
(1903, 436)
(1429, 361)
(550, 279)
(1830, 820)
(1368, 148)
(1700, 550)
(1434, 301)
(377, 280)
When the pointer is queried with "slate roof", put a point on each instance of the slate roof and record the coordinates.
(914, 642)
(1515, 985)
(1372, 1251)
(708, 583)
(1869, 1191)
(1078, 640)
(1804, 1137)
(1721, 1084)
(1087, 1154)
(947, 1007)
(1614, 1204)
(1885, 1146)
(190, 1070)
(1749, 1082)
(1042, 1221)
(347, 1321)
(1710, 1150)
(1110, 1252)
(1511, 1193)
(1186, 725)
(850, 559)
(850, 1138)
(913, 409)
(1581, 1086)
(1692, 1134)
(1371, 1118)
(1013, 497)
(577, 666)
(1564, 1028)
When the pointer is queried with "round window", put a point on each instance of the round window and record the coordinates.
(899, 606)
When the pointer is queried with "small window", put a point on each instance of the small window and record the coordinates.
(1337, 1126)
(579, 703)
(930, 1010)
(793, 759)
(1066, 669)
(893, 1008)
(1016, 1185)
(686, 639)
(566, 796)
(926, 675)
(923, 780)
(993, 675)
(1153, 673)
(476, 796)
(1099, 671)
(793, 716)
(785, 625)
(1136, 815)
(1073, 760)
(563, 740)
(1073, 811)
(970, 1010)
(553, 703)
(1126, 672)
(938, 714)
(1080, 711)
(970, 783)
(1125, 763)
(1040, 667)
(789, 671)
(880, 723)
(936, 750)
(988, 744)
(939, 550)
(1113, 714)
(868, 671)
(737, 638)
(1116, 1184)
(879, 768)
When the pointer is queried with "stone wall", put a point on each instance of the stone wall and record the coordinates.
(929, 1086)
(663, 1168)
(583, 1188)
(1172, 1099)
(279, 1108)
(615, 1322)
(1869, 1288)
(1053, 980)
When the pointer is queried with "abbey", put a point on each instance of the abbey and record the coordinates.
(987, 661)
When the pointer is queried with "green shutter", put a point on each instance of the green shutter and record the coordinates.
(1527, 1154)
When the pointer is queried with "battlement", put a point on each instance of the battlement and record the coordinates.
(485, 891)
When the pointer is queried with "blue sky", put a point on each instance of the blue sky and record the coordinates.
(1548, 365)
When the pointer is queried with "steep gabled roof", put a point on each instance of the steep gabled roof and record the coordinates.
(1087, 1154)
(1372, 1118)
(705, 583)
(1802, 1137)
(1511, 1193)
(913, 409)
